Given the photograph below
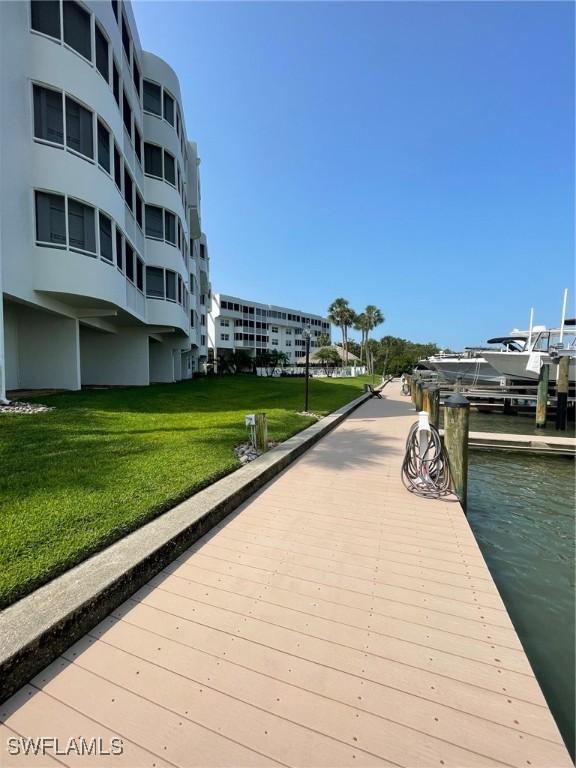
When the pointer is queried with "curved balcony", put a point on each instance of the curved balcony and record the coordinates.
(162, 312)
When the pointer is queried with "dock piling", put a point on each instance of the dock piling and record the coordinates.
(562, 385)
(456, 428)
(434, 405)
(542, 396)
(425, 400)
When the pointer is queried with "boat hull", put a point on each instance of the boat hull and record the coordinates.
(513, 366)
(470, 371)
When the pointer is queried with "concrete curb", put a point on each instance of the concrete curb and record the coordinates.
(38, 628)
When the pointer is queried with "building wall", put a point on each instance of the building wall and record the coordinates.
(57, 278)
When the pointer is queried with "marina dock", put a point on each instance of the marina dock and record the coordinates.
(333, 620)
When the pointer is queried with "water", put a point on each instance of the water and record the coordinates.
(521, 508)
(520, 424)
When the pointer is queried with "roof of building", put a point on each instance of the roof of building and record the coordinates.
(314, 355)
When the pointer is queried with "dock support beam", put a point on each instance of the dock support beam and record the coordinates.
(418, 396)
(425, 401)
(456, 428)
(261, 432)
(542, 398)
(562, 393)
(434, 405)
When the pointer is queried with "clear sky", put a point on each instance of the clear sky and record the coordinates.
(414, 155)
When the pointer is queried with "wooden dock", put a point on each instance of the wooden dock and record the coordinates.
(545, 444)
(333, 620)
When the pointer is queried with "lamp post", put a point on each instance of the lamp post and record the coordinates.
(307, 334)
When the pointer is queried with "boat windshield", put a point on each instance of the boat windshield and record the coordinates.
(548, 339)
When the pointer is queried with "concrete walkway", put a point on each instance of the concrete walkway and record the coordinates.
(333, 620)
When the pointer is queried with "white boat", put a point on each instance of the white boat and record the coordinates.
(471, 366)
(545, 346)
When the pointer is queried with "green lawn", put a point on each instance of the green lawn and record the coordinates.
(105, 461)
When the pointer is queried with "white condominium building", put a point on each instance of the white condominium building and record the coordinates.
(241, 324)
(104, 276)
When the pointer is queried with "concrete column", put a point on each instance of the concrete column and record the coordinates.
(115, 359)
(48, 350)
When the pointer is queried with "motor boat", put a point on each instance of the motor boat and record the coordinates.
(471, 366)
(544, 347)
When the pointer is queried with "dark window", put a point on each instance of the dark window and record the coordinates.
(139, 209)
(152, 98)
(50, 218)
(81, 231)
(125, 38)
(106, 237)
(168, 108)
(170, 285)
(127, 114)
(129, 261)
(169, 168)
(136, 77)
(152, 160)
(79, 135)
(102, 64)
(48, 115)
(179, 290)
(77, 28)
(139, 273)
(154, 222)
(138, 144)
(103, 147)
(46, 17)
(115, 8)
(116, 83)
(155, 282)
(128, 190)
(117, 168)
(170, 227)
(119, 254)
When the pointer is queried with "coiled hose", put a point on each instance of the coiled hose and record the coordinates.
(425, 470)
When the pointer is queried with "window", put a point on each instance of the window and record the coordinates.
(170, 227)
(116, 83)
(117, 168)
(79, 135)
(202, 341)
(103, 147)
(48, 116)
(139, 210)
(127, 114)
(50, 218)
(139, 274)
(274, 342)
(203, 256)
(128, 190)
(126, 39)
(170, 285)
(129, 261)
(138, 143)
(105, 237)
(179, 290)
(152, 160)
(169, 168)
(115, 8)
(136, 77)
(46, 17)
(119, 254)
(81, 232)
(154, 222)
(288, 343)
(102, 64)
(152, 98)
(192, 318)
(225, 323)
(168, 108)
(155, 282)
(77, 28)
(224, 336)
(274, 329)
(202, 319)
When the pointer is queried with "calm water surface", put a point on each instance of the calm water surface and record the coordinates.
(521, 508)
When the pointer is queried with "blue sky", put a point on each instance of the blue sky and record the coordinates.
(414, 155)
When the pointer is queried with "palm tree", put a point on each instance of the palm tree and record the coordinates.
(341, 314)
(374, 318)
(361, 324)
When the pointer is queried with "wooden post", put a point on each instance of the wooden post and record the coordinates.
(562, 393)
(261, 432)
(542, 398)
(456, 426)
(425, 402)
(434, 401)
(458, 385)
(418, 398)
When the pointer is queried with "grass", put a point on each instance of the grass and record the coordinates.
(75, 479)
